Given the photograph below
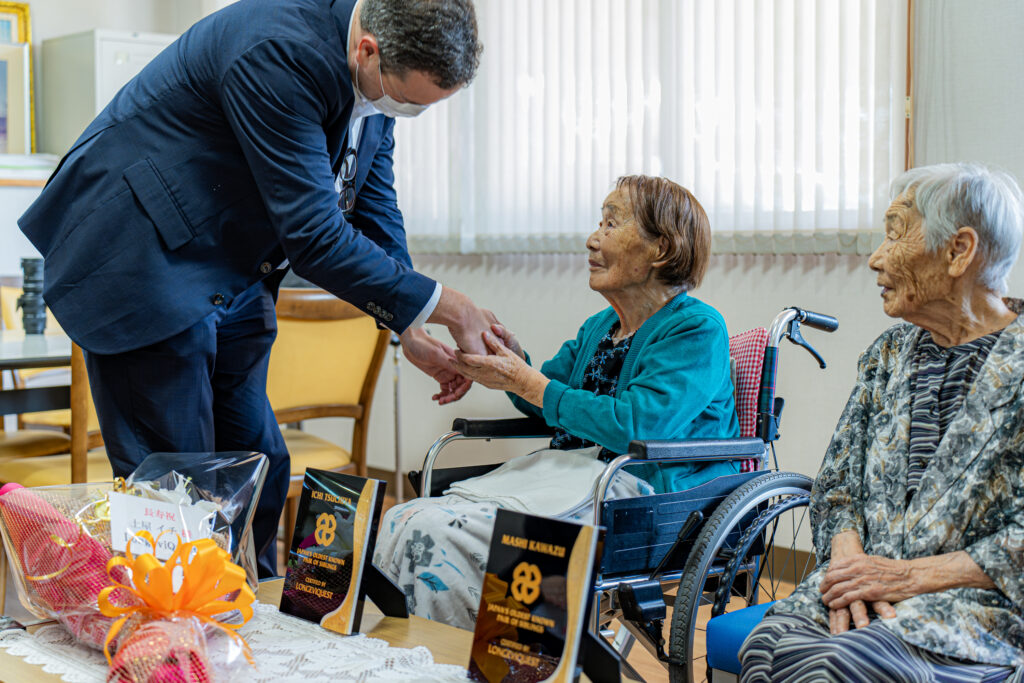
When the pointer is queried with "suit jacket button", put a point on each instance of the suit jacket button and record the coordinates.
(265, 267)
(217, 299)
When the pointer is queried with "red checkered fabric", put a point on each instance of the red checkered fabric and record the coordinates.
(747, 352)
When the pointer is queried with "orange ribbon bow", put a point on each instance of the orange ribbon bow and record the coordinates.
(207, 576)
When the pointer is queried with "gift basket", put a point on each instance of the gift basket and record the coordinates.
(70, 545)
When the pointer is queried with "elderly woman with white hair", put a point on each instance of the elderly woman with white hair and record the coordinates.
(918, 510)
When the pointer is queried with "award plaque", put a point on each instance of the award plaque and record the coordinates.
(332, 548)
(534, 600)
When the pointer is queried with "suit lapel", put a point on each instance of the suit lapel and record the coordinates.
(369, 140)
(970, 431)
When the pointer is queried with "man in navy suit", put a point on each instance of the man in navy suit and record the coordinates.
(252, 143)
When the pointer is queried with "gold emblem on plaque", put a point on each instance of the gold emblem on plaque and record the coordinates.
(325, 526)
(526, 582)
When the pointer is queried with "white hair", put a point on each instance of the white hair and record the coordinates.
(956, 195)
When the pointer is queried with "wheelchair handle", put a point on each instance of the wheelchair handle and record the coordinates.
(786, 325)
(789, 320)
(820, 321)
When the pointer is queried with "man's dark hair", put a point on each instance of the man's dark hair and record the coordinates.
(438, 37)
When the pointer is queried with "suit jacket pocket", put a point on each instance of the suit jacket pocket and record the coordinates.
(151, 192)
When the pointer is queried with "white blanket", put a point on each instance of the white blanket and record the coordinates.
(550, 483)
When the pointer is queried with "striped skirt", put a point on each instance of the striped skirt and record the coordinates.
(787, 647)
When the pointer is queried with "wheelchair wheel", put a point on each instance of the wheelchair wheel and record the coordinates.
(745, 554)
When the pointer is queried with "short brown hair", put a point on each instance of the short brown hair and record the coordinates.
(670, 215)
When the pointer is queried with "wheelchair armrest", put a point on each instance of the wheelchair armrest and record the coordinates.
(698, 450)
(502, 428)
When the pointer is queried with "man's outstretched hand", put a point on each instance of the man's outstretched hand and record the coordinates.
(435, 359)
(465, 320)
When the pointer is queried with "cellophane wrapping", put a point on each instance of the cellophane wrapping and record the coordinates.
(58, 541)
(59, 559)
(172, 650)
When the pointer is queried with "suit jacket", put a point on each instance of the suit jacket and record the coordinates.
(210, 168)
(970, 498)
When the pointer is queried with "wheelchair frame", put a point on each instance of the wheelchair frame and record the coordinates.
(638, 599)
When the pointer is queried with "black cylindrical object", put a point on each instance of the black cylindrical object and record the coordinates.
(33, 308)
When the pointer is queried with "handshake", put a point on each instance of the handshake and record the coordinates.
(487, 352)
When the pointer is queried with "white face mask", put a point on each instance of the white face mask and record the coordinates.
(385, 104)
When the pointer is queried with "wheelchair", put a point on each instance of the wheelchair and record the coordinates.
(708, 550)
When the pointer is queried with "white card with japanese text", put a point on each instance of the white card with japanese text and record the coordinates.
(132, 514)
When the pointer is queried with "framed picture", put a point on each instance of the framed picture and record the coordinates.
(17, 111)
(14, 23)
(15, 100)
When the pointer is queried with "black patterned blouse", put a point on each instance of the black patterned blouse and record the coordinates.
(601, 377)
(940, 380)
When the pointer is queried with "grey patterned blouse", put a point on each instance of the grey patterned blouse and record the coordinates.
(970, 497)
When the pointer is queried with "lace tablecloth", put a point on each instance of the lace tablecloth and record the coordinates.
(285, 649)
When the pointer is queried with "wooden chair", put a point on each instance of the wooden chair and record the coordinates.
(44, 457)
(324, 363)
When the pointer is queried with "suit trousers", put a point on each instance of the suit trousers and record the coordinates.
(203, 390)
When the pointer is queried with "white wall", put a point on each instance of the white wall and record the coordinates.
(13, 245)
(968, 92)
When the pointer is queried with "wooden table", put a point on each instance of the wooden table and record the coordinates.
(448, 644)
(21, 351)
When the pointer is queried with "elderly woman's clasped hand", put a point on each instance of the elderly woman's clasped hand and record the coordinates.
(505, 369)
(855, 579)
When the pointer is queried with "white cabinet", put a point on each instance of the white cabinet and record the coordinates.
(81, 73)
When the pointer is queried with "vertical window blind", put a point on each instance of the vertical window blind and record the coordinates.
(784, 117)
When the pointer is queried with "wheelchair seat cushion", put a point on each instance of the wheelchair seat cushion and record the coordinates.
(726, 634)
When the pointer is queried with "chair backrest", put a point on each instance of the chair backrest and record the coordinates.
(326, 358)
(8, 303)
(747, 352)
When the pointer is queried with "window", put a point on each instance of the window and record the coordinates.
(784, 117)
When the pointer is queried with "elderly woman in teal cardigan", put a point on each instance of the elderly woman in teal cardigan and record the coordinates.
(654, 365)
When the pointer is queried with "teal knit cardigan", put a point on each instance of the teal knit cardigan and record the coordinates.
(674, 384)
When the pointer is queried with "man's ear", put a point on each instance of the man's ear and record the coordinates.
(368, 45)
(961, 250)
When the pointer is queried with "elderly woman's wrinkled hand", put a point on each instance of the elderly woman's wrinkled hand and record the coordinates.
(870, 579)
(508, 339)
(503, 370)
